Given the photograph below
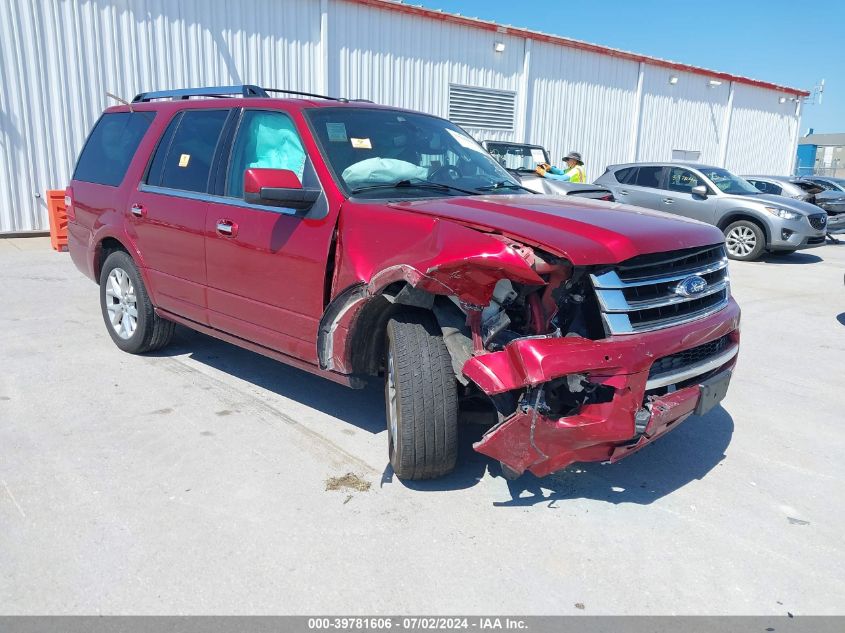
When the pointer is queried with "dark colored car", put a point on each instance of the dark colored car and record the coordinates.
(355, 241)
(831, 200)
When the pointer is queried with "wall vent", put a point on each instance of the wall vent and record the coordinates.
(482, 107)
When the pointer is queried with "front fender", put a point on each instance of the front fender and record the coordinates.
(379, 247)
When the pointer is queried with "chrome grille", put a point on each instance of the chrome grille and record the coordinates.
(644, 293)
(818, 220)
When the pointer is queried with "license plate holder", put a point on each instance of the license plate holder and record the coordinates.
(712, 391)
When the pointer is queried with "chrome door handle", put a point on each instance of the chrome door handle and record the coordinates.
(137, 210)
(623, 193)
(668, 200)
(227, 228)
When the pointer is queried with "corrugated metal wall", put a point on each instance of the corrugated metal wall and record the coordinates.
(583, 102)
(409, 62)
(761, 128)
(687, 115)
(59, 57)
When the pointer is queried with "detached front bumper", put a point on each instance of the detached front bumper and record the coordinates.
(606, 431)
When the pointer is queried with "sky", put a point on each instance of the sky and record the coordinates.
(787, 43)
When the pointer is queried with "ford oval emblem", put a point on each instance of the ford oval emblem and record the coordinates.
(691, 286)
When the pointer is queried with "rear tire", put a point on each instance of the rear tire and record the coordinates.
(744, 240)
(129, 314)
(421, 398)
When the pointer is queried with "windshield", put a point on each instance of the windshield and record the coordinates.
(380, 153)
(729, 183)
(516, 156)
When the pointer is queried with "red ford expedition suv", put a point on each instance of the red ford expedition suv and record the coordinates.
(352, 240)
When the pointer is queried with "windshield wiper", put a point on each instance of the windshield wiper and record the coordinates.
(504, 184)
(414, 183)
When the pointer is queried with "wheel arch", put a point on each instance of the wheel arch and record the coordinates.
(733, 216)
(363, 318)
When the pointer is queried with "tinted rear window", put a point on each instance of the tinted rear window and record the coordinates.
(649, 177)
(111, 146)
(183, 157)
(625, 175)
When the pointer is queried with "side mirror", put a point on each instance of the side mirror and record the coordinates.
(278, 188)
(700, 191)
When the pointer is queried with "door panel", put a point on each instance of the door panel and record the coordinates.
(679, 199)
(265, 283)
(170, 236)
(267, 265)
(645, 189)
(167, 214)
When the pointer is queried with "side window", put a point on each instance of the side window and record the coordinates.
(649, 177)
(757, 184)
(625, 175)
(682, 180)
(111, 146)
(184, 154)
(264, 139)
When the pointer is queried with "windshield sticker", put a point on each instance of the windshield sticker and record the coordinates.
(464, 141)
(184, 159)
(361, 143)
(336, 132)
(538, 155)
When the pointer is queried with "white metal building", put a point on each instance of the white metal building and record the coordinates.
(58, 58)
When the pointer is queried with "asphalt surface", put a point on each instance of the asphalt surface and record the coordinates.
(195, 480)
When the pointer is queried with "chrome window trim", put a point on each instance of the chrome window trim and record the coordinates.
(206, 197)
(691, 371)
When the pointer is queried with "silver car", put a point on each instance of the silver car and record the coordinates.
(809, 190)
(753, 222)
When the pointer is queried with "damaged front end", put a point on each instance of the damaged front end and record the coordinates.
(569, 396)
(576, 362)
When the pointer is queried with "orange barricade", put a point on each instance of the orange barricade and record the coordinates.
(58, 219)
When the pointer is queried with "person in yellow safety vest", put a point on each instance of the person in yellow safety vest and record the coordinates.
(574, 169)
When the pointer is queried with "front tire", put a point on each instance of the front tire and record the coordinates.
(421, 398)
(744, 240)
(129, 314)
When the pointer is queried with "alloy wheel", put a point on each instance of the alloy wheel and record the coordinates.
(121, 303)
(741, 241)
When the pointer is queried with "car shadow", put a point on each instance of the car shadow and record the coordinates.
(363, 408)
(791, 258)
(841, 318)
(687, 453)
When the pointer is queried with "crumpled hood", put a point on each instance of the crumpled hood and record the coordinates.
(582, 230)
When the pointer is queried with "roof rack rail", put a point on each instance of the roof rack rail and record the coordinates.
(306, 94)
(245, 90)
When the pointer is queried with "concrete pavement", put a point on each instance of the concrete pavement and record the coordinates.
(194, 480)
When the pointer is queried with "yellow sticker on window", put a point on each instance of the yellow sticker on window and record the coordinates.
(361, 143)
(184, 159)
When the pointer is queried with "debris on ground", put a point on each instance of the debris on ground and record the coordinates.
(349, 481)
